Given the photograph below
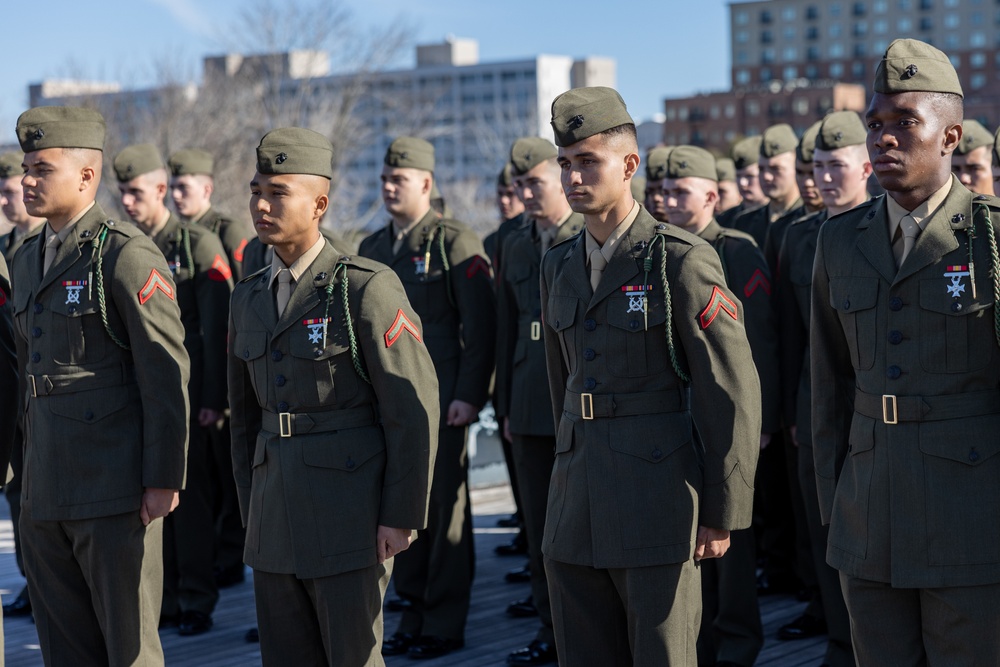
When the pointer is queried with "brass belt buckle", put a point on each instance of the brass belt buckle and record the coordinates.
(889, 408)
(34, 389)
(587, 406)
(285, 424)
(536, 331)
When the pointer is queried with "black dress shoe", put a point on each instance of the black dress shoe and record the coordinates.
(166, 620)
(194, 623)
(512, 521)
(804, 627)
(519, 575)
(535, 653)
(516, 547)
(252, 636)
(20, 606)
(230, 576)
(397, 604)
(429, 646)
(522, 608)
(398, 644)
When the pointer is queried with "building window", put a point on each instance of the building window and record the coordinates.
(789, 54)
(881, 27)
(977, 40)
(812, 72)
(766, 56)
(926, 23)
(860, 51)
(835, 31)
(880, 6)
(765, 16)
(812, 32)
(788, 34)
(951, 3)
(880, 46)
(753, 108)
(713, 111)
(812, 13)
(956, 61)
(860, 28)
(742, 77)
(766, 37)
(742, 18)
(951, 42)
(765, 74)
(742, 58)
(858, 9)
(836, 70)
(834, 9)
(742, 37)
(671, 114)
(788, 14)
(952, 21)
(977, 60)
(682, 113)
(905, 5)
(776, 109)
(926, 5)
(858, 69)
(977, 80)
(904, 25)
(730, 110)
(801, 106)
(791, 72)
(837, 50)
(812, 53)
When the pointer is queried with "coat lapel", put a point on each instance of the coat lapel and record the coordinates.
(623, 266)
(574, 268)
(85, 230)
(267, 309)
(874, 243)
(938, 239)
(307, 293)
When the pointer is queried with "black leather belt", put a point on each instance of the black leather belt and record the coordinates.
(50, 385)
(287, 424)
(893, 409)
(592, 406)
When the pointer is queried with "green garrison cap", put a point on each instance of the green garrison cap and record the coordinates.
(746, 151)
(191, 161)
(505, 179)
(638, 184)
(295, 150)
(996, 145)
(583, 112)
(410, 152)
(60, 127)
(725, 169)
(529, 152)
(841, 129)
(691, 162)
(10, 164)
(911, 65)
(136, 160)
(807, 144)
(778, 139)
(656, 163)
(974, 136)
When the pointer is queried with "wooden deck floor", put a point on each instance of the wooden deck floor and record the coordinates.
(490, 634)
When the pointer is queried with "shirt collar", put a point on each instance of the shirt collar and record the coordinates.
(398, 233)
(67, 229)
(921, 214)
(619, 232)
(300, 265)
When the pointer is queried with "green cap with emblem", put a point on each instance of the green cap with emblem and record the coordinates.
(777, 140)
(725, 169)
(295, 150)
(746, 151)
(581, 113)
(60, 127)
(656, 163)
(505, 178)
(807, 144)
(841, 129)
(638, 185)
(974, 136)
(10, 164)
(691, 162)
(191, 161)
(911, 65)
(410, 152)
(529, 152)
(136, 160)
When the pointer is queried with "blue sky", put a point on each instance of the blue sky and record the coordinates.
(663, 47)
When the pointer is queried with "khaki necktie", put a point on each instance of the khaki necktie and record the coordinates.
(905, 239)
(546, 236)
(51, 248)
(597, 264)
(284, 290)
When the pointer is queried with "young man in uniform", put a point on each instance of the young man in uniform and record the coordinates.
(656, 171)
(731, 631)
(632, 310)
(25, 227)
(101, 352)
(521, 400)
(904, 350)
(804, 179)
(203, 283)
(334, 419)
(745, 154)
(972, 161)
(447, 278)
(842, 168)
(729, 190)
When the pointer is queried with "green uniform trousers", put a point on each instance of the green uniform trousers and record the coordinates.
(335, 620)
(947, 627)
(230, 535)
(635, 617)
(435, 573)
(95, 588)
(731, 628)
(534, 457)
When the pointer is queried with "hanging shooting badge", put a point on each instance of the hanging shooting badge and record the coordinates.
(419, 265)
(956, 273)
(73, 289)
(637, 301)
(317, 329)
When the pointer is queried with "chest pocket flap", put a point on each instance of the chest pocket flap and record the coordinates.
(250, 345)
(851, 294)
(561, 312)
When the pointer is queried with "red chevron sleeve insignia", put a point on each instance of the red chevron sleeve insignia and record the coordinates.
(719, 302)
(476, 265)
(153, 283)
(238, 251)
(400, 324)
(758, 279)
(219, 271)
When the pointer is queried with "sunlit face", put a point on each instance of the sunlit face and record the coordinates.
(777, 176)
(729, 196)
(12, 202)
(191, 194)
(975, 169)
(284, 207)
(748, 182)
(142, 198)
(508, 202)
(654, 200)
(595, 173)
(540, 188)
(807, 185)
(406, 191)
(841, 175)
(690, 202)
(52, 182)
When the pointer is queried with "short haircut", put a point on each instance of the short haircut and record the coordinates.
(949, 106)
(623, 133)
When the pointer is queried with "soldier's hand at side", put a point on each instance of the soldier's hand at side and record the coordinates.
(157, 503)
(765, 440)
(461, 413)
(392, 541)
(506, 430)
(711, 543)
(208, 417)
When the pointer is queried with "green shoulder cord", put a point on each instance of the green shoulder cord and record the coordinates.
(439, 234)
(186, 239)
(96, 246)
(647, 266)
(994, 260)
(341, 268)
